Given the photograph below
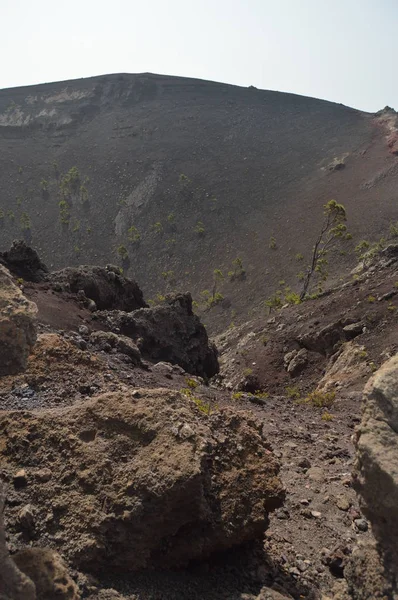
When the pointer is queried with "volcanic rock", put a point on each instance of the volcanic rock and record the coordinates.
(157, 483)
(17, 325)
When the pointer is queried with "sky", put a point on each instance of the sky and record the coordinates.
(338, 50)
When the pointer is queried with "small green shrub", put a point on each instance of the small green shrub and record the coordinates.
(200, 228)
(272, 243)
(371, 299)
(25, 222)
(122, 252)
(299, 257)
(134, 235)
(157, 227)
(204, 407)
(274, 301)
(64, 212)
(293, 392)
(238, 271)
(292, 297)
(394, 229)
(320, 399)
(192, 383)
(326, 416)
(69, 183)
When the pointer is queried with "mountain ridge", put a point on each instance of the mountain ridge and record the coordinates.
(175, 181)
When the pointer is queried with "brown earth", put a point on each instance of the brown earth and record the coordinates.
(310, 540)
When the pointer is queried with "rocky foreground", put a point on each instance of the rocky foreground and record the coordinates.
(131, 470)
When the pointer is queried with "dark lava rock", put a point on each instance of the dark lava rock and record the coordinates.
(22, 261)
(105, 286)
(170, 332)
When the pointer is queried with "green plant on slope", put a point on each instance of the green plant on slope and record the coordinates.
(134, 235)
(238, 271)
(64, 212)
(69, 183)
(320, 399)
(25, 222)
(157, 227)
(333, 229)
(122, 252)
(200, 228)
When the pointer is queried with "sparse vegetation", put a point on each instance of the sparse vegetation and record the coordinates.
(64, 212)
(272, 243)
(200, 228)
(293, 392)
(134, 236)
(394, 229)
(333, 229)
(192, 383)
(183, 178)
(203, 406)
(299, 257)
(157, 227)
(320, 399)
(25, 222)
(238, 271)
(122, 252)
(169, 277)
(326, 416)
(69, 183)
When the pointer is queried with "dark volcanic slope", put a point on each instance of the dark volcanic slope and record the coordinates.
(255, 163)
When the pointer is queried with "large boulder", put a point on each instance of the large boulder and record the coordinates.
(106, 286)
(23, 261)
(141, 479)
(169, 332)
(377, 462)
(17, 325)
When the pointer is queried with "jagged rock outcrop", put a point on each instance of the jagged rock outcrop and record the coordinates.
(17, 325)
(23, 261)
(106, 340)
(326, 340)
(169, 332)
(103, 285)
(346, 367)
(141, 479)
(377, 462)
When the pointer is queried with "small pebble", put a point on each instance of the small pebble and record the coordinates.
(361, 525)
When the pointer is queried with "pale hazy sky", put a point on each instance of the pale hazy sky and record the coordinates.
(340, 50)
